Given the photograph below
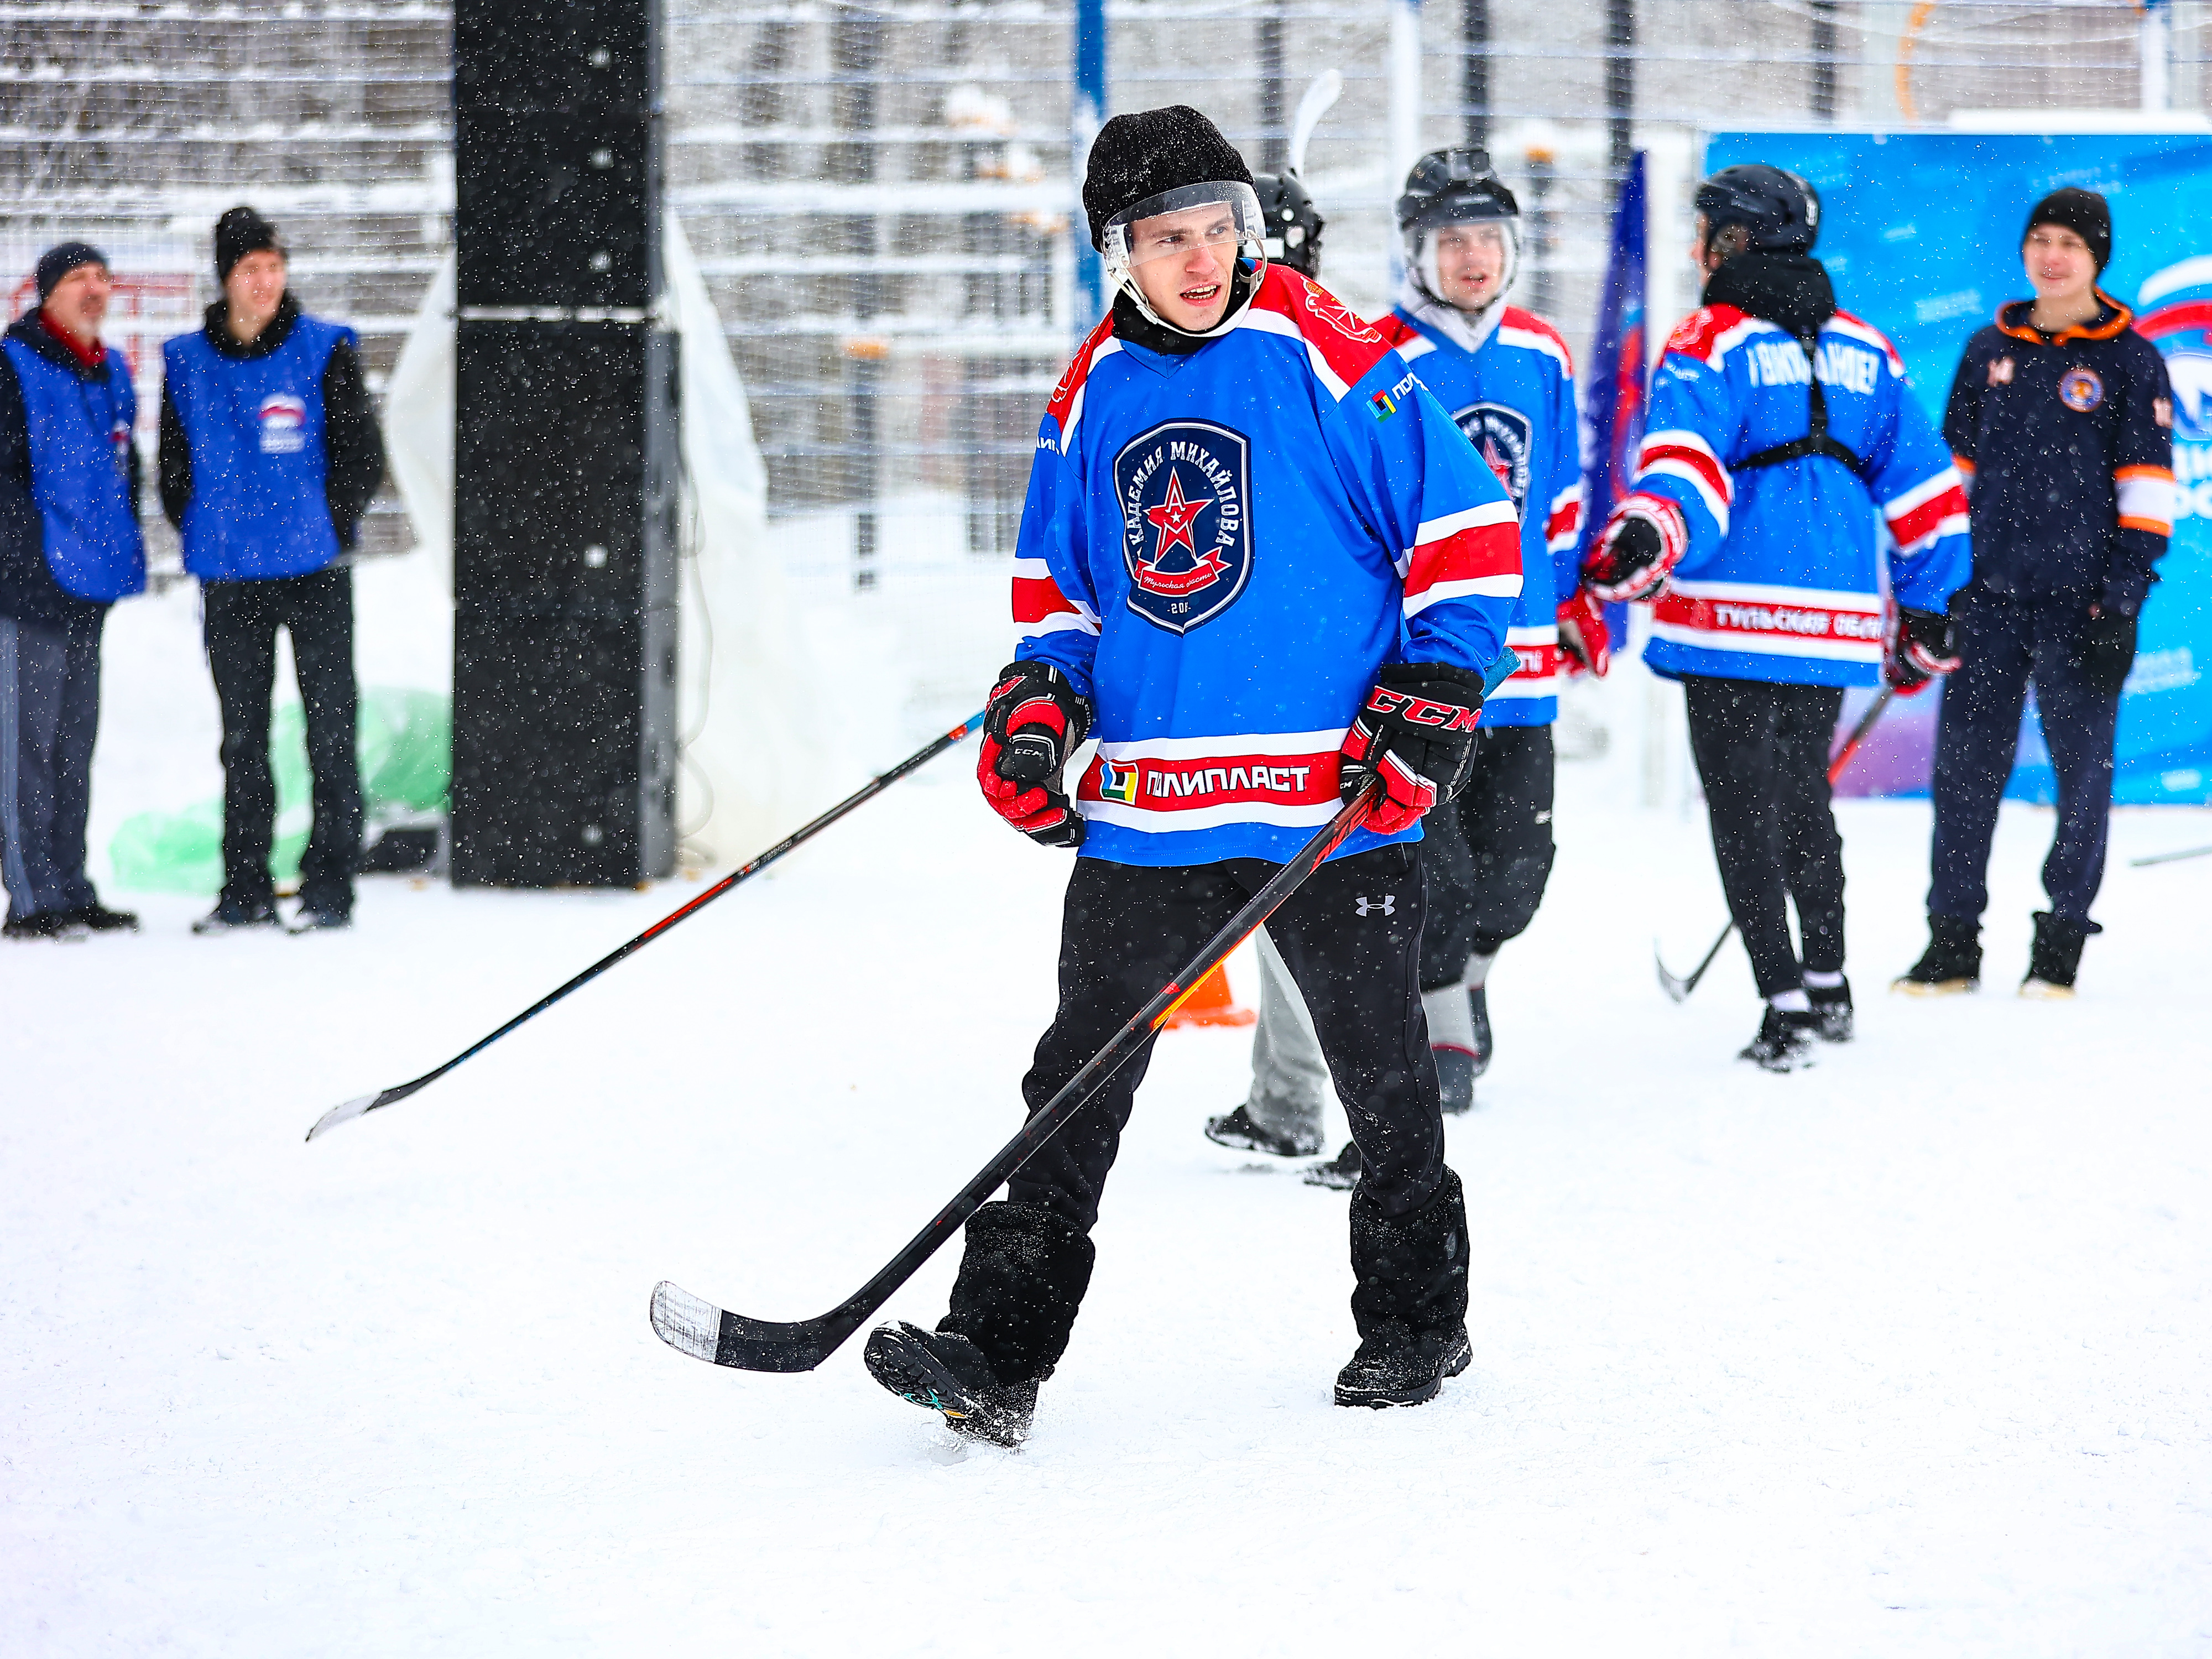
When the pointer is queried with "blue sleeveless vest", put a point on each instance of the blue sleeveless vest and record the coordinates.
(81, 473)
(256, 430)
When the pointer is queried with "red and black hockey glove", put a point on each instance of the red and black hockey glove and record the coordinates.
(1418, 729)
(1583, 636)
(1923, 645)
(1031, 724)
(1640, 547)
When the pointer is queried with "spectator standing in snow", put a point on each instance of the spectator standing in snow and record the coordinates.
(2061, 415)
(270, 453)
(69, 548)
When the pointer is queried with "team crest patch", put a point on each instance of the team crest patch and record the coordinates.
(1185, 491)
(1502, 437)
(2079, 389)
(1338, 315)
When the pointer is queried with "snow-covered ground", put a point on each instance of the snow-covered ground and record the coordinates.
(1907, 1355)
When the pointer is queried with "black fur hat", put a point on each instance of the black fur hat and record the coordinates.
(1151, 150)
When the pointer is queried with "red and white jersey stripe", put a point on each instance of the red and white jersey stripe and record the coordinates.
(1476, 551)
(1040, 608)
(1780, 621)
(1937, 507)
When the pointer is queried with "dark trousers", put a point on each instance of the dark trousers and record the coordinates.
(49, 716)
(242, 623)
(1350, 936)
(2007, 642)
(1488, 853)
(1762, 754)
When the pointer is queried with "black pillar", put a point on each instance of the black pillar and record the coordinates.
(1620, 81)
(1474, 70)
(1275, 128)
(1824, 60)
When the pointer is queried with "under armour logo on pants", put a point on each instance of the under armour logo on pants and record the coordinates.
(1387, 904)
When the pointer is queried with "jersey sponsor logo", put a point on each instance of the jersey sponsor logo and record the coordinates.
(1387, 905)
(2000, 371)
(1185, 493)
(283, 415)
(1502, 437)
(1338, 315)
(1169, 784)
(2080, 389)
(1385, 403)
(1119, 783)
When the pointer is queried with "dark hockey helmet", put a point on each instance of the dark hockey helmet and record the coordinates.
(1294, 223)
(1781, 211)
(1453, 187)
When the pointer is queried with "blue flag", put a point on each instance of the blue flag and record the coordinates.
(1614, 387)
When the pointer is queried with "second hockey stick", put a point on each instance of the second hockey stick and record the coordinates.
(867, 792)
(1678, 989)
(704, 1331)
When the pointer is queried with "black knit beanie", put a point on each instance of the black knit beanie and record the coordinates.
(239, 232)
(57, 262)
(2084, 212)
(1141, 155)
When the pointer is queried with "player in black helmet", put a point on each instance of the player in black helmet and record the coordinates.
(1294, 223)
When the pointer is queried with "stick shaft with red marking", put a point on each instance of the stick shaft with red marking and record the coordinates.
(704, 1331)
(868, 792)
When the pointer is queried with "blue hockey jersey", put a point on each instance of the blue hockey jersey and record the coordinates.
(1780, 579)
(1514, 397)
(1221, 550)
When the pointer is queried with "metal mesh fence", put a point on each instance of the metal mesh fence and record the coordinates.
(879, 193)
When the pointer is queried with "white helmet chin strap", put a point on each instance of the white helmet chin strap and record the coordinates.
(1129, 285)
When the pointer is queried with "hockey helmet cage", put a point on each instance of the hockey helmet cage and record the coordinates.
(1780, 211)
(1294, 224)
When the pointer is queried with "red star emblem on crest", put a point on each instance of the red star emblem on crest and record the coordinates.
(1498, 464)
(1173, 517)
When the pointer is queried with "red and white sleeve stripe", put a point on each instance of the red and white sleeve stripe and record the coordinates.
(2146, 497)
(1683, 455)
(1477, 551)
(1564, 525)
(1040, 608)
(1936, 508)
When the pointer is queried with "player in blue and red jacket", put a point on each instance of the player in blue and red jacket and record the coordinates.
(1259, 564)
(1780, 439)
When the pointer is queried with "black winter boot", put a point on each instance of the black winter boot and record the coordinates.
(1831, 1010)
(2056, 957)
(1951, 964)
(1410, 1305)
(941, 1372)
(1784, 1042)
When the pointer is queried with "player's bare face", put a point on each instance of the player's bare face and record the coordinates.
(2059, 265)
(78, 305)
(1470, 264)
(1183, 262)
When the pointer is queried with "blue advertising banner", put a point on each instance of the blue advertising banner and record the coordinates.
(1921, 235)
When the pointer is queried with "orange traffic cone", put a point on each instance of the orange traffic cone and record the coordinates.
(1212, 1004)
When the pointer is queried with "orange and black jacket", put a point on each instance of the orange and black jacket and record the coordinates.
(2066, 441)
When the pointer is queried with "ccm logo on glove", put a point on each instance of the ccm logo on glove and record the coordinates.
(1032, 723)
(1417, 731)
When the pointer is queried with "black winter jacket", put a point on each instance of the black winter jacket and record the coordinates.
(353, 448)
(29, 592)
(2066, 441)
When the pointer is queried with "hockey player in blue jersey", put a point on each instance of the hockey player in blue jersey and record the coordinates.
(1781, 437)
(1506, 378)
(1259, 564)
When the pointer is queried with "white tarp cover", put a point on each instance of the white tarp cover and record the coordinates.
(746, 779)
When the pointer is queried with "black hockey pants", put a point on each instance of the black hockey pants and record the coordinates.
(1350, 936)
(1762, 753)
(1488, 853)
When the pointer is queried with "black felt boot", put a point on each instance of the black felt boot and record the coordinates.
(1410, 1305)
(1013, 1305)
(1952, 962)
(2055, 956)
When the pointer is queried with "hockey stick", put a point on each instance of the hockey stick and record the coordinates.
(2169, 857)
(1680, 988)
(706, 1331)
(875, 786)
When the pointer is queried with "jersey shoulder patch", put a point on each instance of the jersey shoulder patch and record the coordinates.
(1867, 334)
(1530, 332)
(1340, 346)
(1708, 332)
(1066, 406)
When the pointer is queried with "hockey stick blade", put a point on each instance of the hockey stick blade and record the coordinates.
(359, 1104)
(705, 1332)
(692, 1325)
(1678, 987)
